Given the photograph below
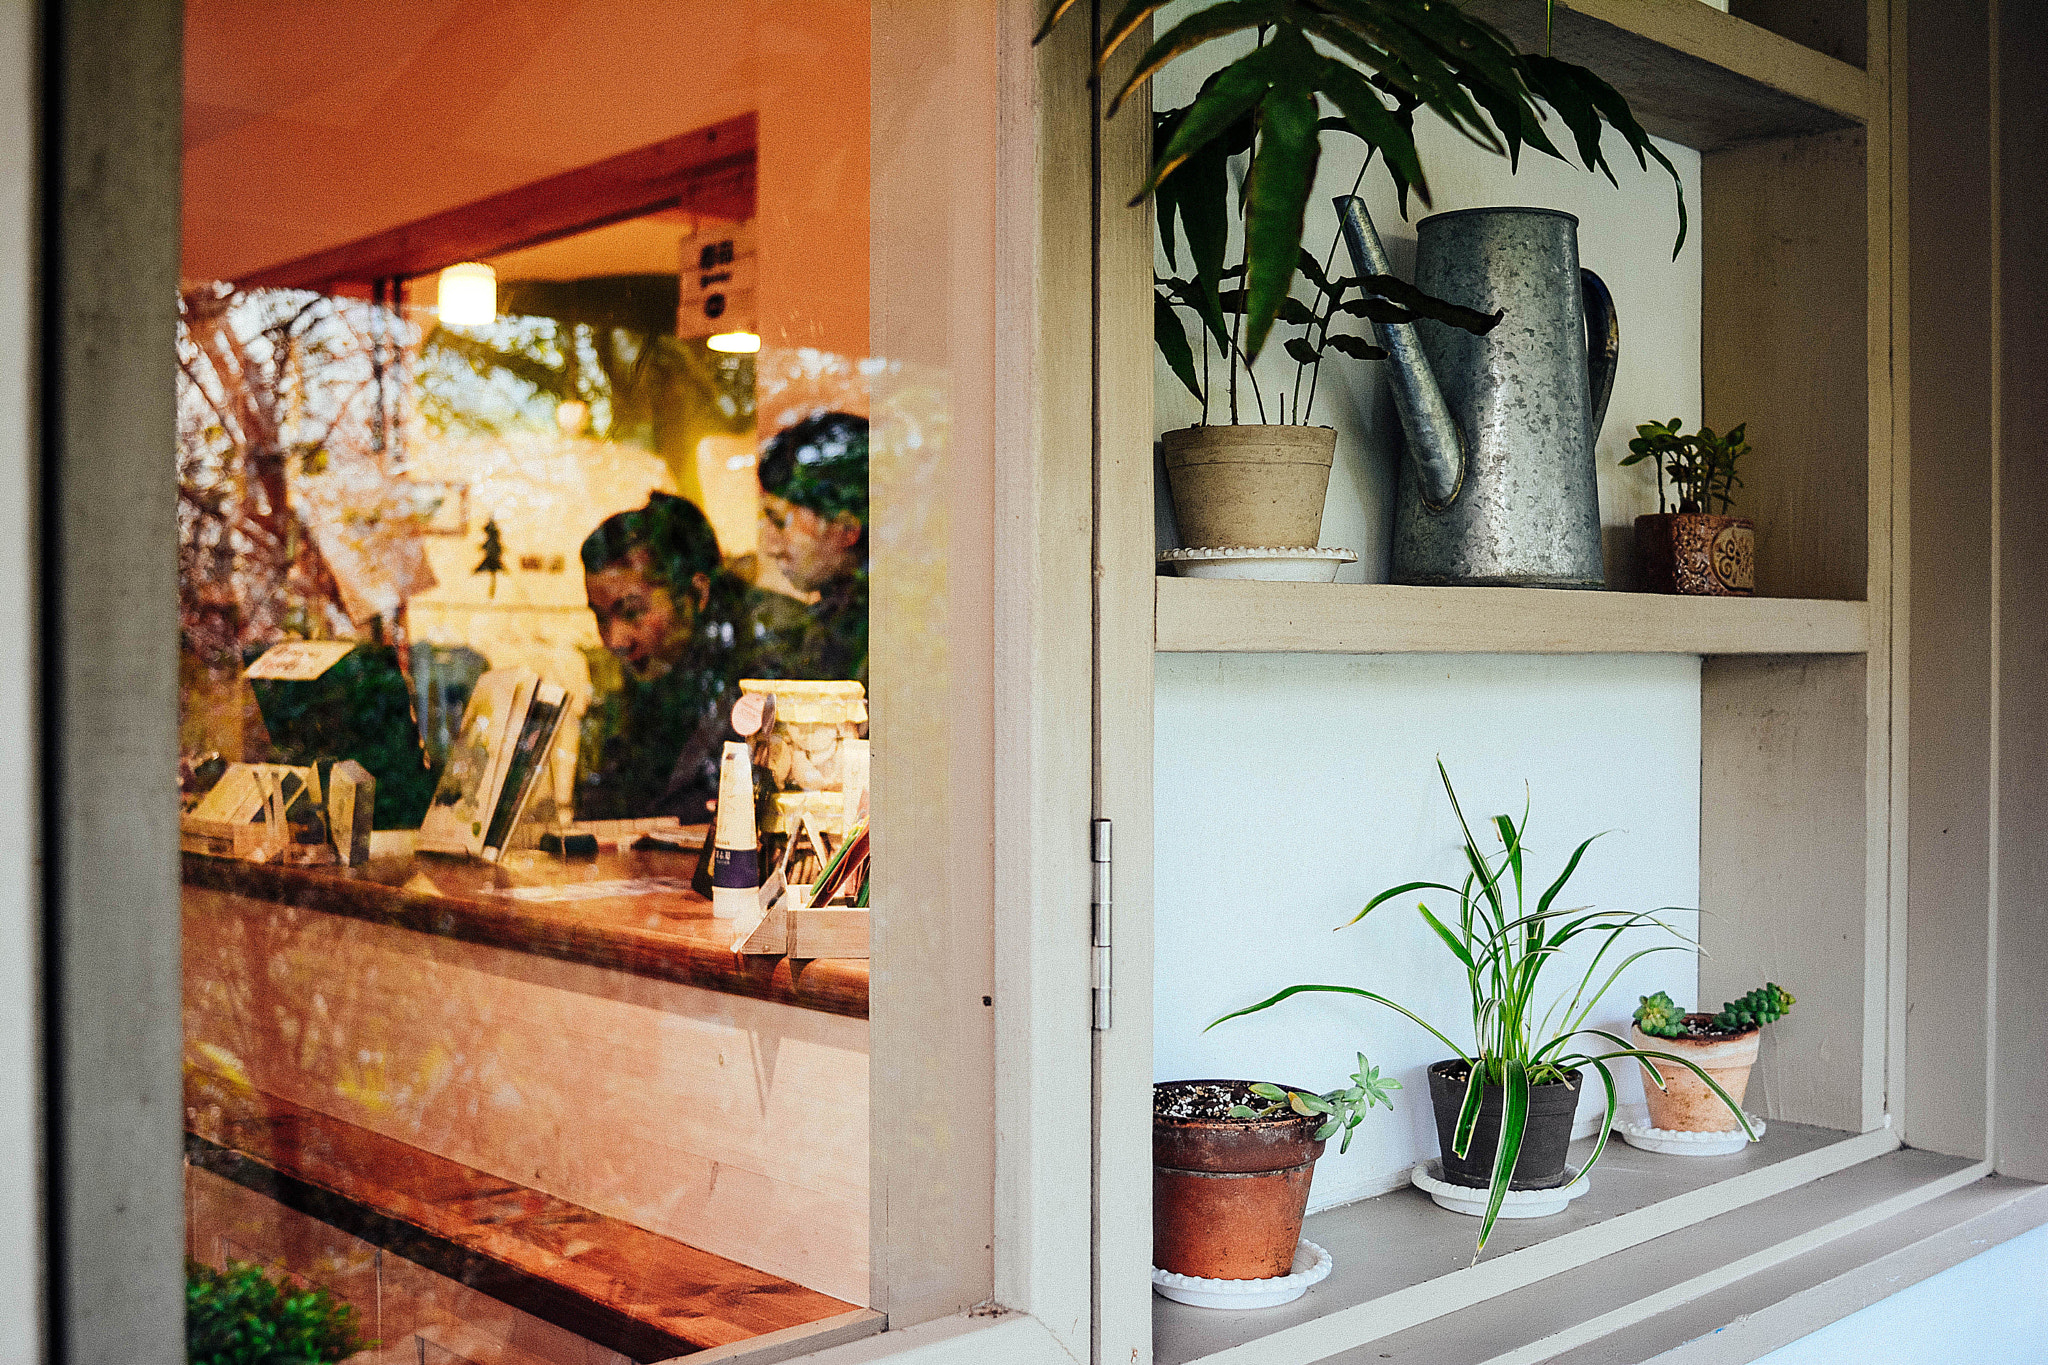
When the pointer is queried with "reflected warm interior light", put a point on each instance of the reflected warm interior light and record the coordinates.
(572, 415)
(734, 343)
(469, 295)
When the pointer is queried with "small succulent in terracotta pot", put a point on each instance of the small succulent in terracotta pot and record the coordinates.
(1696, 550)
(1231, 1166)
(1723, 1046)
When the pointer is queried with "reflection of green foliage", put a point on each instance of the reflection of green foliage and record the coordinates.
(607, 341)
(240, 1316)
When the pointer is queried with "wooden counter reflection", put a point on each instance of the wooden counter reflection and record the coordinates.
(666, 933)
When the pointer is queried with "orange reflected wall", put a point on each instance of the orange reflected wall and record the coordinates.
(314, 124)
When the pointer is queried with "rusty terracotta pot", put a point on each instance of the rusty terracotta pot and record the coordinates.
(1228, 1194)
(1686, 1105)
(1697, 554)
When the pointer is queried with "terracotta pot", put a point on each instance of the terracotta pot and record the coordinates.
(1686, 1105)
(1249, 485)
(1546, 1136)
(1228, 1194)
(1697, 554)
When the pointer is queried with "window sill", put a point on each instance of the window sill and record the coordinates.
(1653, 1234)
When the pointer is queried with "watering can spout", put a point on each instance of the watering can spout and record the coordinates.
(1433, 437)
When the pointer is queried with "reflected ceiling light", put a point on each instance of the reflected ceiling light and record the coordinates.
(571, 416)
(469, 295)
(734, 343)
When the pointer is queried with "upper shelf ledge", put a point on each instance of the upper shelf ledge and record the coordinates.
(1691, 73)
(1195, 615)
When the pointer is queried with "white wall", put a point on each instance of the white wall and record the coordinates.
(1292, 788)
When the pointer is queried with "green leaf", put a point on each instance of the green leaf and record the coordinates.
(1172, 340)
(1205, 217)
(1295, 313)
(1239, 1111)
(1052, 19)
(1206, 25)
(1451, 941)
(1301, 351)
(1327, 1131)
(1403, 889)
(1514, 1119)
(1360, 105)
(1398, 290)
(1358, 348)
(1276, 197)
(1266, 1091)
(1230, 95)
(1468, 1111)
(1397, 1007)
(1132, 17)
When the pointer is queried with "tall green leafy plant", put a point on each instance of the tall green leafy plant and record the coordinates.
(1701, 467)
(1375, 62)
(1522, 1036)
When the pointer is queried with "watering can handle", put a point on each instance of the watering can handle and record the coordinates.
(1603, 347)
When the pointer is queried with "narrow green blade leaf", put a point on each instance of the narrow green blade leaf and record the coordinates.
(1514, 1118)
(1468, 1111)
(1276, 198)
(1217, 21)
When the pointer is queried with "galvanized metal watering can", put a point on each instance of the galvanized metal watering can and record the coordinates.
(1500, 486)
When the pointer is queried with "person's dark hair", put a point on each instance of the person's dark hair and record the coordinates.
(820, 463)
(674, 531)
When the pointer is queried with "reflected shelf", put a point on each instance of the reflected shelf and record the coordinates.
(1221, 616)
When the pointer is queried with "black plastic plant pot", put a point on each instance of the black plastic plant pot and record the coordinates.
(1545, 1137)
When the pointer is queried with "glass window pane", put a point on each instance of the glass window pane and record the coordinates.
(526, 378)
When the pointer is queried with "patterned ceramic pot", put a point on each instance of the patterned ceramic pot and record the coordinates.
(1697, 553)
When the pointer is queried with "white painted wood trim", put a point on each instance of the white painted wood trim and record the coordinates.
(1210, 615)
(1334, 1332)
(1777, 1253)
(21, 1032)
(808, 1339)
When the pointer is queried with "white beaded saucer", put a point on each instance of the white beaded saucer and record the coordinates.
(1267, 563)
(1312, 1265)
(1428, 1177)
(1634, 1126)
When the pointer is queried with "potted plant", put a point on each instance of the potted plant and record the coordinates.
(1720, 1046)
(240, 1316)
(1378, 62)
(1231, 1166)
(1505, 1106)
(1695, 550)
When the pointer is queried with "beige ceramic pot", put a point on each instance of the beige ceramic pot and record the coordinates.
(1249, 485)
(1686, 1105)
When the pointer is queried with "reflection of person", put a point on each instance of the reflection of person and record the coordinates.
(684, 633)
(814, 525)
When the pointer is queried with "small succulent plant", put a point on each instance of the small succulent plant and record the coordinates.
(1344, 1108)
(1660, 1016)
(1767, 1004)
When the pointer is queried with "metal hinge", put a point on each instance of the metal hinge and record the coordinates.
(1098, 859)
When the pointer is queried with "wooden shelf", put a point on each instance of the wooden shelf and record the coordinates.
(1404, 1287)
(1690, 72)
(1195, 615)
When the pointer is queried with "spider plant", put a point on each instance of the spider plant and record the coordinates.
(1520, 1039)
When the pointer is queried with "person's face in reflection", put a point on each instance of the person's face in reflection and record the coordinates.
(639, 618)
(811, 550)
